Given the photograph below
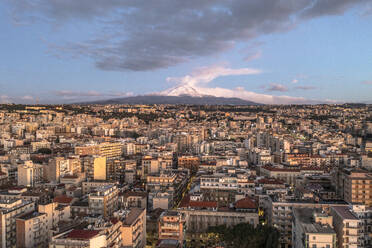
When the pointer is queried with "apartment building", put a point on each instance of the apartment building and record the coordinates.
(365, 215)
(288, 175)
(348, 227)
(357, 186)
(219, 187)
(55, 213)
(106, 149)
(295, 159)
(60, 166)
(104, 200)
(32, 230)
(79, 238)
(280, 214)
(9, 211)
(133, 230)
(29, 174)
(189, 162)
(171, 225)
(110, 149)
(131, 199)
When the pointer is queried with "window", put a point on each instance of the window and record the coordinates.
(314, 246)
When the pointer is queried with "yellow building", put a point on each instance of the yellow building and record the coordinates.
(99, 168)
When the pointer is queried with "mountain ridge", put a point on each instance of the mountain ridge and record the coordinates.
(176, 100)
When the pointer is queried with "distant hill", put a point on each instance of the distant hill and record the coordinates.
(181, 99)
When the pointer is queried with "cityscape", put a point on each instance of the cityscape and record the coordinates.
(186, 124)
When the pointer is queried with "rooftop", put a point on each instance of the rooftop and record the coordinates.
(344, 212)
(82, 234)
(132, 216)
(30, 215)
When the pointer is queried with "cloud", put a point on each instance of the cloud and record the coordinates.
(205, 75)
(276, 87)
(305, 87)
(330, 7)
(68, 95)
(5, 99)
(16, 99)
(27, 98)
(142, 35)
(367, 82)
(253, 56)
(295, 81)
(200, 78)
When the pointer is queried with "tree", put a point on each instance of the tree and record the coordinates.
(245, 235)
(44, 151)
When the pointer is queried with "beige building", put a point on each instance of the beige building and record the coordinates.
(133, 230)
(104, 200)
(288, 175)
(99, 168)
(110, 150)
(87, 150)
(280, 215)
(357, 186)
(29, 174)
(55, 213)
(312, 228)
(79, 238)
(90, 186)
(9, 211)
(32, 230)
(107, 149)
(60, 166)
(348, 227)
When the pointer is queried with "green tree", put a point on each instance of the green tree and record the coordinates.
(245, 235)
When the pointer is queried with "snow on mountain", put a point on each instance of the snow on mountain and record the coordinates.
(181, 90)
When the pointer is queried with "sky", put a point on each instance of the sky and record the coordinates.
(267, 51)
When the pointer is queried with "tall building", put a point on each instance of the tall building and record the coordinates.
(29, 174)
(99, 168)
(32, 230)
(357, 186)
(56, 168)
(9, 211)
(133, 230)
(348, 227)
(95, 167)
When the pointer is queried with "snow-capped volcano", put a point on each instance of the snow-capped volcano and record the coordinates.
(181, 90)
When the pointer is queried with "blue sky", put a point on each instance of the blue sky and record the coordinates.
(66, 53)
